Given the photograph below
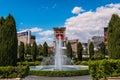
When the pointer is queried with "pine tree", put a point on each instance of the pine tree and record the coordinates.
(69, 50)
(45, 49)
(34, 51)
(91, 50)
(114, 37)
(21, 51)
(79, 51)
(8, 41)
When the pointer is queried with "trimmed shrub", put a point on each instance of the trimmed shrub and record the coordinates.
(104, 68)
(39, 58)
(29, 63)
(85, 58)
(29, 59)
(81, 63)
(59, 73)
(14, 72)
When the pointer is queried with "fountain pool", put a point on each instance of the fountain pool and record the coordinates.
(64, 67)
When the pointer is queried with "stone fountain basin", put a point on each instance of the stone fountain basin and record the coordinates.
(64, 67)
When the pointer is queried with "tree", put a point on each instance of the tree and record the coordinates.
(40, 50)
(69, 50)
(103, 49)
(45, 49)
(21, 51)
(91, 50)
(8, 41)
(79, 51)
(34, 51)
(28, 49)
(114, 37)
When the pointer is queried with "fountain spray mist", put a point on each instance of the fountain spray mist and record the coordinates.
(58, 54)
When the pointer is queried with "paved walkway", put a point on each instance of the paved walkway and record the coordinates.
(86, 77)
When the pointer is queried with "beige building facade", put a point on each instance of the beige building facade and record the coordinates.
(25, 37)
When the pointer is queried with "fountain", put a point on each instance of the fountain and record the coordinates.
(59, 61)
(58, 55)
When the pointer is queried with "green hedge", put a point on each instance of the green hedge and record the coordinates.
(85, 59)
(29, 59)
(29, 63)
(104, 68)
(38, 58)
(14, 72)
(81, 63)
(59, 73)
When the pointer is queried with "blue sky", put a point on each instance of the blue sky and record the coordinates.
(42, 15)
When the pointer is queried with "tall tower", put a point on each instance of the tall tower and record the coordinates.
(60, 32)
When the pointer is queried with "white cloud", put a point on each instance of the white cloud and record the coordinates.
(77, 10)
(34, 29)
(46, 33)
(49, 40)
(41, 35)
(90, 23)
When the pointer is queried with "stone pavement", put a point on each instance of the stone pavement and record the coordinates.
(86, 77)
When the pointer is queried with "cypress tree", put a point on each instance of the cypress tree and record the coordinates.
(45, 49)
(40, 50)
(69, 50)
(21, 50)
(8, 41)
(28, 49)
(34, 51)
(103, 49)
(114, 37)
(79, 51)
(91, 50)
(1, 40)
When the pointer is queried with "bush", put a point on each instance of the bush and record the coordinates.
(14, 72)
(39, 58)
(29, 63)
(59, 73)
(29, 59)
(78, 62)
(85, 58)
(81, 63)
(104, 68)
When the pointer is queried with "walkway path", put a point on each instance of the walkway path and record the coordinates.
(86, 77)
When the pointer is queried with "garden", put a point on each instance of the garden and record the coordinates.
(15, 61)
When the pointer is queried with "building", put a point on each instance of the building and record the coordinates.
(25, 37)
(60, 33)
(73, 43)
(105, 35)
(97, 40)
